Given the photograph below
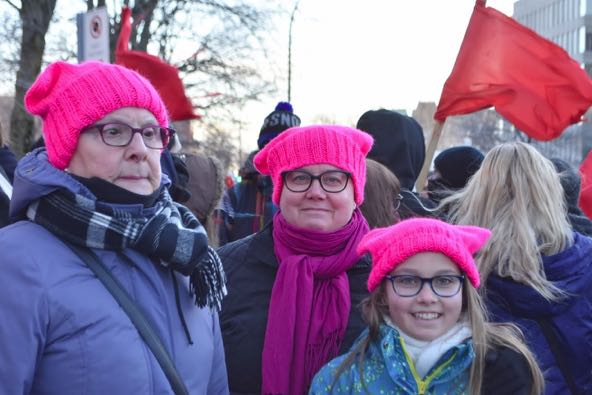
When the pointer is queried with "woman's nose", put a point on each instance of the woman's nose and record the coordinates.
(315, 189)
(137, 147)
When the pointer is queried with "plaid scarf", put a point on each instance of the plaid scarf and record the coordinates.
(172, 235)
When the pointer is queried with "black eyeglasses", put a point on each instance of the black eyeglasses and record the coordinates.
(117, 134)
(444, 286)
(332, 181)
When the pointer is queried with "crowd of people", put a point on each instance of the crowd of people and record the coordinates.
(128, 267)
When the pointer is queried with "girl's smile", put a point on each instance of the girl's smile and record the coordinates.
(426, 315)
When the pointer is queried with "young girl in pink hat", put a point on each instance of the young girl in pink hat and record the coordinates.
(427, 332)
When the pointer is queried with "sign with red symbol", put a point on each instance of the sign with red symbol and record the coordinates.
(93, 35)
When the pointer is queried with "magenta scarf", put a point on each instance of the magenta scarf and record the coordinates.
(310, 302)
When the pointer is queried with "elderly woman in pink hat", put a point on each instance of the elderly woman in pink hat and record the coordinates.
(294, 286)
(96, 229)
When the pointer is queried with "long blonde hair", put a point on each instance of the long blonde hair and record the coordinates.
(517, 195)
(485, 336)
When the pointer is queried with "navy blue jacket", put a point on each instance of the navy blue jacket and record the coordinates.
(570, 270)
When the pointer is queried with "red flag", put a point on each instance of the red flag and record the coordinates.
(586, 191)
(529, 80)
(162, 75)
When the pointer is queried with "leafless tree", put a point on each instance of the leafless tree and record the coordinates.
(35, 16)
(223, 48)
(219, 144)
(10, 33)
(218, 46)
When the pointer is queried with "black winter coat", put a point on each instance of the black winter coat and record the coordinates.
(506, 372)
(251, 267)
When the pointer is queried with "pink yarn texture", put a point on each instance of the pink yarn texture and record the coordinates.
(392, 246)
(340, 146)
(69, 97)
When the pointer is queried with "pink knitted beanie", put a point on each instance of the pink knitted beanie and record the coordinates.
(69, 97)
(340, 146)
(392, 246)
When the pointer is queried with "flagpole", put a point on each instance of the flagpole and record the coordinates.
(434, 139)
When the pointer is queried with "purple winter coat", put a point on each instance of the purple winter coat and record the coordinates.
(61, 331)
(570, 270)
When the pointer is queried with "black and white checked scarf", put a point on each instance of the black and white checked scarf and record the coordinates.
(172, 235)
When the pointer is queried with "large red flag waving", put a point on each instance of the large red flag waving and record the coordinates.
(529, 80)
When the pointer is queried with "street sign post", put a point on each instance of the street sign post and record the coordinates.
(93, 35)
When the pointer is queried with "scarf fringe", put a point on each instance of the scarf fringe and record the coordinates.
(208, 282)
(172, 235)
(318, 355)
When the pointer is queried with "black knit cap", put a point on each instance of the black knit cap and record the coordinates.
(570, 179)
(457, 164)
(280, 119)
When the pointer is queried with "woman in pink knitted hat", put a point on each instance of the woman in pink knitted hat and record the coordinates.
(427, 332)
(95, 229)
(294, 286)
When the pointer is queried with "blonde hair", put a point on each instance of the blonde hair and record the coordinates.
(517, 195)
(485, 336)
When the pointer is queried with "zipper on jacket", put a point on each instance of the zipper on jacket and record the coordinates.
(422, 385)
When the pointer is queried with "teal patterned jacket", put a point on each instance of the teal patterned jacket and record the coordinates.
(389, 370)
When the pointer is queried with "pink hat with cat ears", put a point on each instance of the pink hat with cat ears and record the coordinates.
(392, 246)
(341, 146)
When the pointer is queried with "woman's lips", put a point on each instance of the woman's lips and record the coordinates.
(133, 177)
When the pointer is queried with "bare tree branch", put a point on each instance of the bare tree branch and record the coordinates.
(219, 47)
(35, 19)
(10, 3)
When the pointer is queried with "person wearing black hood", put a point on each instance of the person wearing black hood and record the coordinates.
(571, 181)
(399, 145)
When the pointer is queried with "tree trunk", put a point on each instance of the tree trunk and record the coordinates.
(35, 17)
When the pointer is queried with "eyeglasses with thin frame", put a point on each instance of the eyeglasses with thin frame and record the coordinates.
(332, 181)
(445, 286)
(119, 134)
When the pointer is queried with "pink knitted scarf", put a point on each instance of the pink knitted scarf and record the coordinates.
(310, 302)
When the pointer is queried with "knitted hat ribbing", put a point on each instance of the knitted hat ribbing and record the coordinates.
(340, 146)
(69, 97)
(392, 246)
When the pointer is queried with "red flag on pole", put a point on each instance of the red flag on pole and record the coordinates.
(162, 75)
(529, 80)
